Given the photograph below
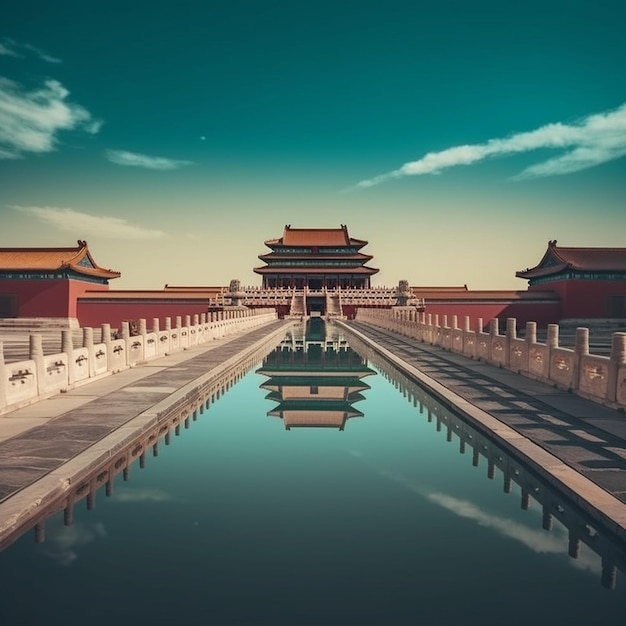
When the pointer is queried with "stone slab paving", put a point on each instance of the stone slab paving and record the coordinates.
(585, 435)
(43, 436)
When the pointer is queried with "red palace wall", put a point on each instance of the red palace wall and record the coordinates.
(585, 298)
(38, 298)
(114, 312)
(77, 289)
(47, 298)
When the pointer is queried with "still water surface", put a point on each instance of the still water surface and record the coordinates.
(302, 499)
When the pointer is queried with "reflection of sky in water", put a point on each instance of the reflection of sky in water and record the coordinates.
(239, 521)
(63, 543)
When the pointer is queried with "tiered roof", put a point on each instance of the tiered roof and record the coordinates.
(307, 237)
(77, 259)
(557, 260)
(315, 244)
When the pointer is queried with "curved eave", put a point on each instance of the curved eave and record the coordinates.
(85, 271)
(356, 243)
(316, 270)
(540, 272)
(326, 406)
(95, 272)
(320, 255)
(53, 260)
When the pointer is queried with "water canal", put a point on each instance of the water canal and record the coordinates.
(322, 488)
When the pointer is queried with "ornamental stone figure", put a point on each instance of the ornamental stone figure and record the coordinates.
(235, 293)
(403, 293)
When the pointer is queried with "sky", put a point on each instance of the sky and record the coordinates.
(456, 137)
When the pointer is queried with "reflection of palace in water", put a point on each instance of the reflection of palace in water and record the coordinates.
(314, 377)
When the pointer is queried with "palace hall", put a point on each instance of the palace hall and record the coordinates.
(311, 271)
(316, 258)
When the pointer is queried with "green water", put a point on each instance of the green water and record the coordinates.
(374, 518)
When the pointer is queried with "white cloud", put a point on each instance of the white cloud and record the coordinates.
(589, 142)
(30, 120)
(84, 224)
(13, 48)
(538, 541)
(133, 159)
(42, 55)
(7, 50)
(63, 541)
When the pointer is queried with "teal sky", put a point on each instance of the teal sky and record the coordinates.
(456, 137)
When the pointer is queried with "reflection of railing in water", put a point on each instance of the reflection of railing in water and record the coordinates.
(102, 474)
(581, 526)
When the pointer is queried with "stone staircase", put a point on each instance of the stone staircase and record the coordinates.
(333, 305)
(298, 305)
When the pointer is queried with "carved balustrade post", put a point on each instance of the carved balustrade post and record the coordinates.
(552, 338)
(511, 335)
(67, 346)
(3, 379)
(125, 332)
(88, 344)
(105, 334)
(36, 354)
(581, 349)
(617, 361)
(494, 329)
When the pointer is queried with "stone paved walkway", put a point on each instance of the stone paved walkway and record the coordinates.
(56, 430)
(585, 435)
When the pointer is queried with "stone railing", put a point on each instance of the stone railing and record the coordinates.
(598, 378)
(41, 376)
(372, 296)
(257, 296)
